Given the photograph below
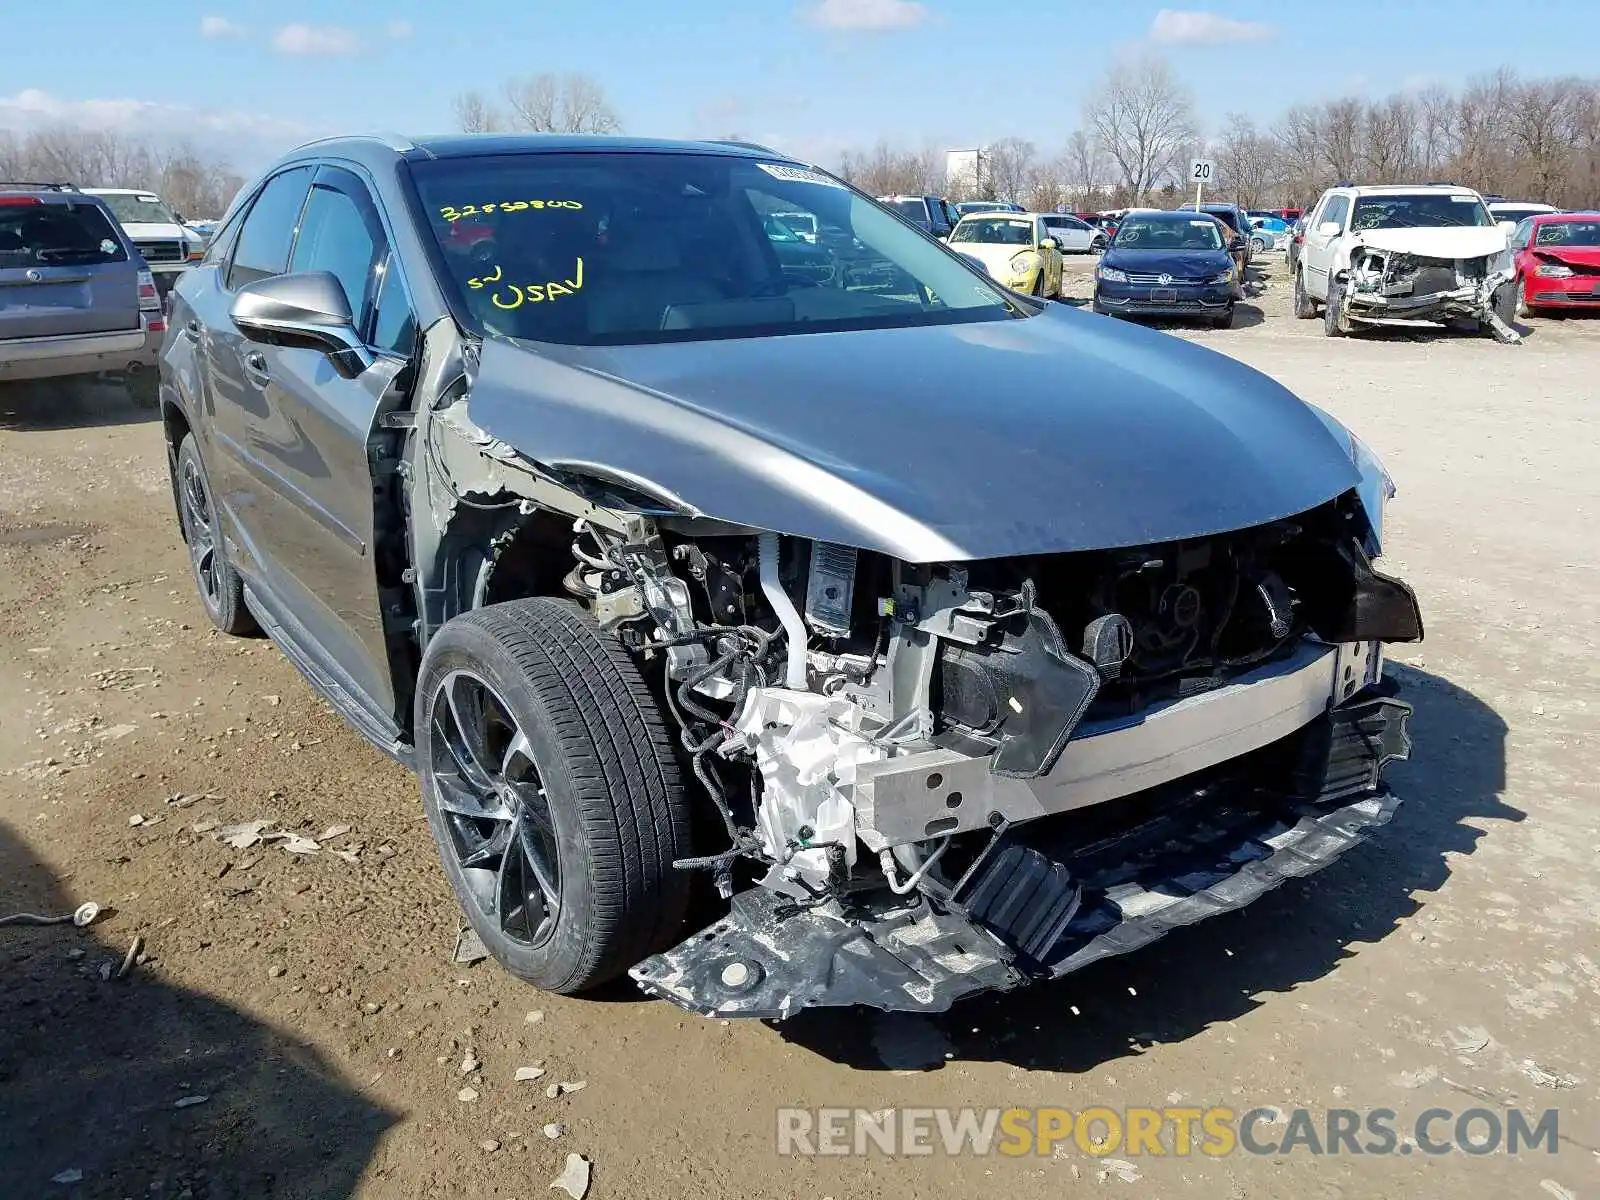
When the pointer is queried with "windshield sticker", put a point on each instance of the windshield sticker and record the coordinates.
(510, 295)
(798, 175)
(1463, 199)
(1201, 224)
(452, 214)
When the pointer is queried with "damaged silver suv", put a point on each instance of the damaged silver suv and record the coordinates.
(950, 639)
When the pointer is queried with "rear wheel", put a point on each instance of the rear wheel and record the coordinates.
(552, 790)
(221, 590)
(1304, 306)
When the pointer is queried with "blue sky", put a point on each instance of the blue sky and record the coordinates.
(812, 76)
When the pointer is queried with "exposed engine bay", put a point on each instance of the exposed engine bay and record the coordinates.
(1382, 284)
(936, 779)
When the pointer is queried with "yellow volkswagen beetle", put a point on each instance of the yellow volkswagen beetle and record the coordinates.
(1017, 249)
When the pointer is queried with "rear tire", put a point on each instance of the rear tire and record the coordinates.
(1305, 308)
(221, 590)
(553, 792)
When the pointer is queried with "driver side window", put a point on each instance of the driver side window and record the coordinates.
(336, 236)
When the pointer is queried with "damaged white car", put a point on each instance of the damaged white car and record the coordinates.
(1400, 254)
(918, 638)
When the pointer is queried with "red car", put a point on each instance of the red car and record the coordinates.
(1558, 261)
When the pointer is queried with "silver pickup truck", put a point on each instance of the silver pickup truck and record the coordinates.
(76, 296)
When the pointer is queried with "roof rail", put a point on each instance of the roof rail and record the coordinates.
(742, 145)
(1442, 183)
(36, 186)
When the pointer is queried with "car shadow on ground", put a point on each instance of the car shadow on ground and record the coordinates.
(92, 1073)
(82, 402)
(1225, 967)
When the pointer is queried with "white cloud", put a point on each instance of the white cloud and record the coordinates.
(32, 109)
(398, 30)
(316, 39)
(856, 15)
(221, 27)
(1176, 27)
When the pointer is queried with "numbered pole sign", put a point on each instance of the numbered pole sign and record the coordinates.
(1201, 172)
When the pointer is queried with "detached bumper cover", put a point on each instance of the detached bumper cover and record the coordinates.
(1042, 906)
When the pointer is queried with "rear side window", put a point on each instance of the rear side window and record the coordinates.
(34, 234)
(263, 247)
(334, 237)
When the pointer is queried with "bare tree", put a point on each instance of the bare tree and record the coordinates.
(1246, 161)
(1388, 150)
(1085, 170)
(194, 183)
(1142, 117)
(548, 103)
(1008, 168)
(475, 114)
(542, 103)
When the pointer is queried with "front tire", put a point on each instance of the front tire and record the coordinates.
(221, 590)
(551, 788)
(1225, 321)
(1305, 308)
(1332, 324)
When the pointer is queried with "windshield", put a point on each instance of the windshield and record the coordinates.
(133, 208)
(628, 248)
(1568, 233)
(1511, 212)
(50, 234)
(1164, 233)
(911, 210)
(1425, 210)
(995, 231)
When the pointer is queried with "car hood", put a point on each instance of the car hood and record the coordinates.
(1180, 264)
(995, 256)
(1064, 431)
(1585, 256)
(146, 230)
(1474, 241)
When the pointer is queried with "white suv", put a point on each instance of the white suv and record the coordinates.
(1397, 253)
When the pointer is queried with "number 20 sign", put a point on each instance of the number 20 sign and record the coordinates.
(1201, 170)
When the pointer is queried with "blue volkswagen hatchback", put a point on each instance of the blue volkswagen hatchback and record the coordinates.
(1168, 264)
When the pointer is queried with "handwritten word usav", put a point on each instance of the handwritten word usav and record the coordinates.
(511, 295)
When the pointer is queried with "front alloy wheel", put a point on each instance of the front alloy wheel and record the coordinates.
(495, 810)
(552, 790)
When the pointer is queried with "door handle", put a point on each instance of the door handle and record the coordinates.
(255, 364)
(192, 328)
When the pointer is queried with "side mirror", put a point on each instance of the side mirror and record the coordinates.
(1235, 242)
(1328, 229)
(306, 311)
(1051, 242)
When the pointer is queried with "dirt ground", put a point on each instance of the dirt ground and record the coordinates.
(307, 1009)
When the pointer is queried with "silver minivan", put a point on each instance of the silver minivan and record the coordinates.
(76, 297)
